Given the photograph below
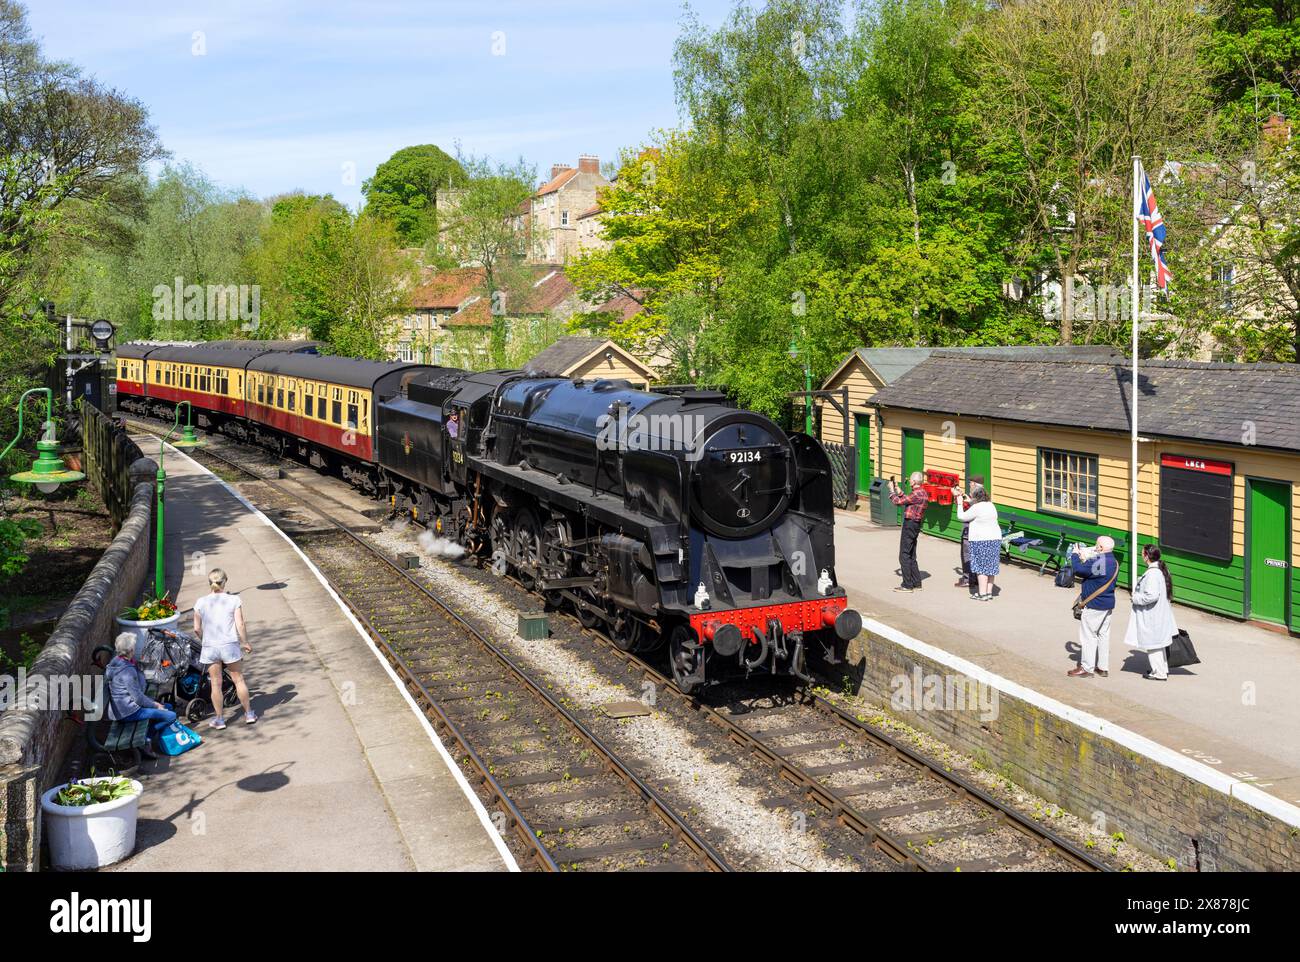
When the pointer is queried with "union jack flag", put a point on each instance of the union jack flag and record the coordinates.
(1154, 225)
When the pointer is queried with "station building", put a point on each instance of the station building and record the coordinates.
(1218, 473)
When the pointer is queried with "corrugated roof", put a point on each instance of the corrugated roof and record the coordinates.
(1196, 401)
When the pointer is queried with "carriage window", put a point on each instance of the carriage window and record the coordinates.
(279, 397)
(291, 399)
(336, 412)
(188, 378)
(261, 393)
(307, 400)
(352, 416)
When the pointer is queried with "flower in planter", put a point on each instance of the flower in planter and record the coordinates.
(79, 794)
(151, 609)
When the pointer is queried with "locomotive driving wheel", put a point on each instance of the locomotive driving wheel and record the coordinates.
(686, 658)
(499, 540)
(527, 548)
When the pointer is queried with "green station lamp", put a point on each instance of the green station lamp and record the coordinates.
(796, 352)
(48, 470)
(188, 439)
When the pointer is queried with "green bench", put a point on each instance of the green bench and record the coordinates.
(1056, 537)
(122, 738)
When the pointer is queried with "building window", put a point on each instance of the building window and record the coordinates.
(1224, 276)
(564, 218)
(1068, 482)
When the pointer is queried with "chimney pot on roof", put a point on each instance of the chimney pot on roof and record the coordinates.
(589, 164)
(1277, 129)
(558, 169)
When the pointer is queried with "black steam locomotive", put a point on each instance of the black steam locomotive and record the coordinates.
(652, 517)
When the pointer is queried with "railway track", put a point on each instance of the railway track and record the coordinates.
(903, 805)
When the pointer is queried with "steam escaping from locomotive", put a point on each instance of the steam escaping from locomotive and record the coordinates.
(439, 547)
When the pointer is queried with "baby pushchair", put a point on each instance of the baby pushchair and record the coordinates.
(170, 662)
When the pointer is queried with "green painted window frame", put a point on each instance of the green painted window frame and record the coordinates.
(1055, 509)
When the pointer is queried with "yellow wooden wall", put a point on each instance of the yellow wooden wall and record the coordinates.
(616, 367)
(1014, 449)
(862, 385)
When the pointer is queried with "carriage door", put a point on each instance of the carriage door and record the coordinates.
(862, 438)
(1268, 537)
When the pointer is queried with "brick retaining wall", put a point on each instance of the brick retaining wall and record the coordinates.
(34, 742)
(1168, 812)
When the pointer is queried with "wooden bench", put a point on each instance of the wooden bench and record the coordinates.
(1056, 538)
(122, 737)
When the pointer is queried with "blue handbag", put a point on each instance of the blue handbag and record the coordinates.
(176, 739)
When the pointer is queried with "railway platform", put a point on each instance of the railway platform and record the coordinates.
(1237, 713)
(340, 772)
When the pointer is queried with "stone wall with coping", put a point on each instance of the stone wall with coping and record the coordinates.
(34, 740)
(1164, 805)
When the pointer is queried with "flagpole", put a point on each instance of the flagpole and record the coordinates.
(1135, 313)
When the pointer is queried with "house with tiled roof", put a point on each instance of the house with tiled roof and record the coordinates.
(454, 302)
(556, 206)
(1218, 466)
(591, 358)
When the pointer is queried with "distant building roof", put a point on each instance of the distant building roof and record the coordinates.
(556, 182)
(1192, 400)
(891, 363)
(564, 353)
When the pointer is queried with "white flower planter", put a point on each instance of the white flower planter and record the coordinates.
(90, 836)
(141, 629)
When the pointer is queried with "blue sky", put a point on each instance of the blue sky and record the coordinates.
(313, 95)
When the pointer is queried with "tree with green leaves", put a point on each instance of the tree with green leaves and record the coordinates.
(405, 190)
(1075, 88)
(351, 283)
(485, 228)
(71, 151)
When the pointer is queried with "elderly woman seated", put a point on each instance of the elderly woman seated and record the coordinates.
(127, 701)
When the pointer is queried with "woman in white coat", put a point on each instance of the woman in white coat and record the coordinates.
(1152, 627)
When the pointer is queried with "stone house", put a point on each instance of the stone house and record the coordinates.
(556, 206)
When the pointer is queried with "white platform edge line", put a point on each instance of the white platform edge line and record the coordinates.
(1161, 754)
(456, 773)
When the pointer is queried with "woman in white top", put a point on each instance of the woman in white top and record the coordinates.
(1152, 627)
(219, 622)
(985, 537)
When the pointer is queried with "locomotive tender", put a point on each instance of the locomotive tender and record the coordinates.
(652, 517)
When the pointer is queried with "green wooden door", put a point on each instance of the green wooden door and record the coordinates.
(862, 435)
(1268, 536)
(913, 459)
(979, 460)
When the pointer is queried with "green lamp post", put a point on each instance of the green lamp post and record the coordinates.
(797, 352)
(188, 439)
(48, 471)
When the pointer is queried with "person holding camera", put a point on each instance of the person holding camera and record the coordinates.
(913, 505)
(980, 515)
(1095, 606)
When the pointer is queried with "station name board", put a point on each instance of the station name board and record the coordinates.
(1196, 505)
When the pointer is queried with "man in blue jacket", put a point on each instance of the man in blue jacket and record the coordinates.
(1099, 571)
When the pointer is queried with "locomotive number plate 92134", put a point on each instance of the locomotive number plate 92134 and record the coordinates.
(744, 457)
